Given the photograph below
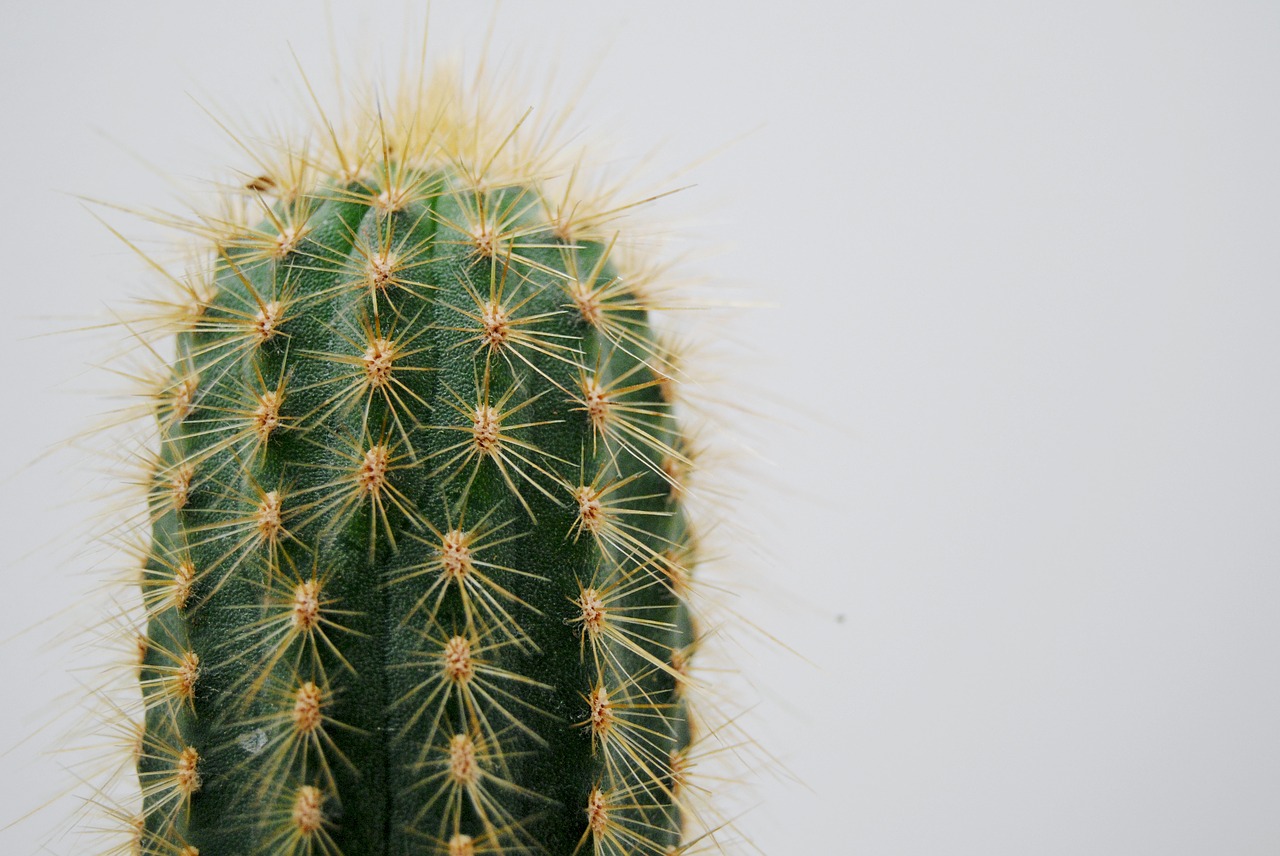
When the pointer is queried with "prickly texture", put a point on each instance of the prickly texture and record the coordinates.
(417, 580)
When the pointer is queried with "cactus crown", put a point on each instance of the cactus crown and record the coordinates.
(419, 560)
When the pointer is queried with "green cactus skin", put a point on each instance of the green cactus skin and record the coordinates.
(419, 554)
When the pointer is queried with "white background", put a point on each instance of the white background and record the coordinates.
(1019, 510)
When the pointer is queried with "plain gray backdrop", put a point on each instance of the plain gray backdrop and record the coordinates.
(1017, 375)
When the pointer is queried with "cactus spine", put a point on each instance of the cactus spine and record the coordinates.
(419, 562)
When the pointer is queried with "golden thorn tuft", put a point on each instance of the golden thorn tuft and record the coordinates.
(676, 473)
(455, 555)
(266, 322)
(457, 660)
(306, 605)
(267, 516)
(379, 359)
(183, 397)
(588, 302)
(308, 810)
(596, 400)
(485, 240)
(593, 611)
(307, 704)
(680, 667)
(392, 199)
(678, 764)
(188, 673)
(287, 241)
(486, 431)
(381, 268)
(180, 485)
(186, 773)
(184, 577)
(601, 712)
(463, 768)
(590, 509)
(597, 813)
(496, 323)
(266, 418)
(371, 475)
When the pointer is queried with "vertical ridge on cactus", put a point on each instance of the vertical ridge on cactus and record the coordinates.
(420, 551)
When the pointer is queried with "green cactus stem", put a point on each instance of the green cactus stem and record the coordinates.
(419, 562)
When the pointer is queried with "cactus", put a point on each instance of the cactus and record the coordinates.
(418, 571)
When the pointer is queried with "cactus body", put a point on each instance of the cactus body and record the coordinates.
(418, 563)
